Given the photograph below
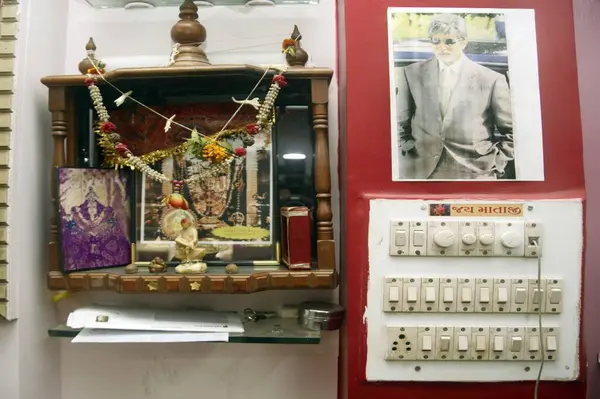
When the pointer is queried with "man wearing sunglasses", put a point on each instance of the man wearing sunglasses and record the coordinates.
(454, 115)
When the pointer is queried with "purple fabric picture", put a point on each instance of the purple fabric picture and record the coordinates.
(94, 208)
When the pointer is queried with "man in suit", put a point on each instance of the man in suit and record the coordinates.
(454, 116)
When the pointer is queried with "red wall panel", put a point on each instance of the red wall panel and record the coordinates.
(366, 170)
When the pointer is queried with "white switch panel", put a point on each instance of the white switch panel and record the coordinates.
(411, 294)
(443, 238)
(399, 238)
(537, 296)
(426, 343)
(554, 296)
(533, 345)
(462, 343)
(498, 343)
(444, 343)
(392, 300)
(484, 289)
(467, 238)
(429, 295)
(551, 336)
(448, 295)
(533, 239)
(418, 239)
(480, 343)
(510, 238)
(516, 343)
(519, 296)
(501, 295)
(402, 343)
(466, 295)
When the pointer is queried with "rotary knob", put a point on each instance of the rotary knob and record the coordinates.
(443, 238)
(510, 239)
(469, 239)
(486, 239)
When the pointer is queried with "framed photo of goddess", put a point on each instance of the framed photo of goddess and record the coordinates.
(94, 218)
(464, 93)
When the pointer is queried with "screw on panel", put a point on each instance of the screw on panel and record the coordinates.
(527, 368)
(530, 208)
(418, 368)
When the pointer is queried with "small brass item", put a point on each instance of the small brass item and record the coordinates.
(131, 269)
(232, 268)
(195, 286)
(152, 286)
(157, 265)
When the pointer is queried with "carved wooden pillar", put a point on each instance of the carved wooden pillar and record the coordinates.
(325, 242)
(60, 127)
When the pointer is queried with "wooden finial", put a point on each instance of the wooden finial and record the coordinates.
(85, 63)
(188, 34)
(298, 57)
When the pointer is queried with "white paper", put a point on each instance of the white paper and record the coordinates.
(113, 318)
(91, 335)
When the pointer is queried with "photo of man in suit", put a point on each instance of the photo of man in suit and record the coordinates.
(454, 118)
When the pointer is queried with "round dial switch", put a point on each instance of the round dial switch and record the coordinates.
(486, 239)
(469, 239)
(443, 238)
(510, 239)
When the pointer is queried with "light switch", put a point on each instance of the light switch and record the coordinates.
(534, 344)
(411, 295)
(466, 291)
(480, 344)
(447, 303)
(430, 294)
(463, 343)
(399, 238)
(501, 295)
(498, 343)
(462, 339)
(444, 343)
(554, 298)
(518, 298)
(443, 238)
(516, 344)
(537, 299)
(484, 295)
(392, 294)
(448, 294)
(515, 340)
(551, 343)
(426, 343)
(418, 239)
(509, 238)
(484, 289)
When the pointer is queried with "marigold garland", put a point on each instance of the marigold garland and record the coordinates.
(215, 148)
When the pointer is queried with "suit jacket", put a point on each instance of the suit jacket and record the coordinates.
(476, 130)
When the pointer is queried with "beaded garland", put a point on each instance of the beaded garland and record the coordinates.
(212, 149)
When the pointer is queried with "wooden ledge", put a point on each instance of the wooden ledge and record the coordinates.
(247, 281)
(194, 71)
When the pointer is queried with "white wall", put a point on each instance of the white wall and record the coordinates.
(235, 36)
(28, 359)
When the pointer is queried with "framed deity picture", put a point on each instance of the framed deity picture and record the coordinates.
(232, 209)
(94, 218)
(464, 90)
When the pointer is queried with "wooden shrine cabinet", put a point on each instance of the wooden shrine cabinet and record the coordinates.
(74, 143)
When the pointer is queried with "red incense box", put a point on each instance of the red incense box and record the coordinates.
(295, 237)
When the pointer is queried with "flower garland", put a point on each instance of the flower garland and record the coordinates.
(216, 151)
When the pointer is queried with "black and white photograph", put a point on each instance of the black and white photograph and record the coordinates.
(464, 95)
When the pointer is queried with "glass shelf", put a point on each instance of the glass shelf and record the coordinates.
(267, 331)
(176, 3)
